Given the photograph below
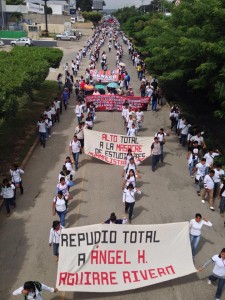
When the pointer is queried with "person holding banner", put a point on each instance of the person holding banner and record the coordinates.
(54, 237)
(218, 272)
(32, 290)
(129, 199)
(113, 220)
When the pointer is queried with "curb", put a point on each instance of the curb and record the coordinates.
(25, 161)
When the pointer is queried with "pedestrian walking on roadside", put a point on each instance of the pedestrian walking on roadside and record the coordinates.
(31, 290)
(221, 195)
(200, 174)
(16, 172)
(54, 238)
(75, 148)
(79, 132)
(59, 80)
(218, 272)
(161, 136)
(129, 199)
(155, 153)
(7, 192)
(208, 188)
(219, 174)
(195, 231)
(59, 206)
(42, 131)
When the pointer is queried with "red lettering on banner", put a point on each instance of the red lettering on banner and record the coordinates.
(105, 278)
(152, 273)
(105, 137)
(125, 147)
(70, 279)
(96, 277)
(126, 277)
(62, 278)
(135, 276)
(170, 268)
(161, 271)
(111, 257)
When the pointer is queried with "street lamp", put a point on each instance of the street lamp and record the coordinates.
(46, 18)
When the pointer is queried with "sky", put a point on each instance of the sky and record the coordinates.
(121, 3)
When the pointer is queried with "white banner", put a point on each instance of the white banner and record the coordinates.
(113, 148)
(113, 258)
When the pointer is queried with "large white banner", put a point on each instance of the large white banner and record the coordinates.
(112, 258)
(113, 148)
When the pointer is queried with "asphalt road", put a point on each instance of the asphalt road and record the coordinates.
(168, 195)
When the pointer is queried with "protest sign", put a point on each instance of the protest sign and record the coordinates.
(113, 148)
(105, 76)
(112, 258)
(115, 102)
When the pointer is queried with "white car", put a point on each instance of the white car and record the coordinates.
(27, 42)
(66, 36)
(1, 43)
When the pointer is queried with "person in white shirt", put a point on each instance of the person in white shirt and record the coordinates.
(16, 172)
(132, 131)
(140, 118)
(79, 132)
(54, 237)
(221, 195)
(130, 121)
(42, 131)
(155, 153)
(218, 272)
(129, 199)
(79, 112)
(75, 148)
(184, 133)
(130, 165)
(208, 188)
(210, 157)
(161, 136)
(201, 171)
(219, 172)
(7, 192)
(31, 290)
(195, 227)
(199, 138)
(59, 206)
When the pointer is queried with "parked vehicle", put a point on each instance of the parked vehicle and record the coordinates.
(1, 43)
(66, 36)
(27, 42)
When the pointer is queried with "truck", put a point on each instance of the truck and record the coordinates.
(66, 36)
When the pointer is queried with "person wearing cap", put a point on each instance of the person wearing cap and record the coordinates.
(129, 199)
(155, 153)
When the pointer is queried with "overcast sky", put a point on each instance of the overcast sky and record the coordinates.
(121, 3)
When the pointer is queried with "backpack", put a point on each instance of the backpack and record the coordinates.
(38, 286)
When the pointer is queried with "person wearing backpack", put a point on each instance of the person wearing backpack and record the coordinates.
(31, 290)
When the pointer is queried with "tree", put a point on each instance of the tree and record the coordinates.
(85, 5)
(49, 10)
(92, 16)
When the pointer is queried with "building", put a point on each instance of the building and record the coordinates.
(97, 5)
(2, 14)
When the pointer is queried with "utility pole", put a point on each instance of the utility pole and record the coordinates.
(142, 4)
(46, 17)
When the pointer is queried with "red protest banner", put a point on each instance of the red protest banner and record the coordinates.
(115, 102)
(105, 76)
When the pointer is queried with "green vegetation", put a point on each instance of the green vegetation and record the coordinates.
(84, 5)
(92, 16)
(19, 133)
(186, 51)
(22, 71)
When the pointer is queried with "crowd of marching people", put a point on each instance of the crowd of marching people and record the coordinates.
(209, 177)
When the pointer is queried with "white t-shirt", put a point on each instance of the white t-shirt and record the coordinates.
(184, 128)
(201, 170)
(160, 136)
(132, 180)
(41, 126)
(139, 115)
(208, 182)
(198, 139)
(129, 195)
(34, 296)
(75, 146)
(129, 123)
(223, 194)
(209, 157)
(78, 110)
(132, 131)
(217, 175)
(16, 178)
(60, 204)
(195, 227)
(219, 268)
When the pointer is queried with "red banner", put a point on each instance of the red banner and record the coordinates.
(115, 102)
(105, 76)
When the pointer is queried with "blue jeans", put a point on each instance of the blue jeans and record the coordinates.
(155, 160)
(42, 137)
(62, 215)
(222, 205)
(183, 139)
(76, 158)
(79, 119)
(55, 248)
(154, 105)
(191, 166)
(220, 286)
(161, 148)
(130, 207)
(9, 202)
(194, 243)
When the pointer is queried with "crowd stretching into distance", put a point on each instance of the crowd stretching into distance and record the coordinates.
(208, 176)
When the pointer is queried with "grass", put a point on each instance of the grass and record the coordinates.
(19, 133)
